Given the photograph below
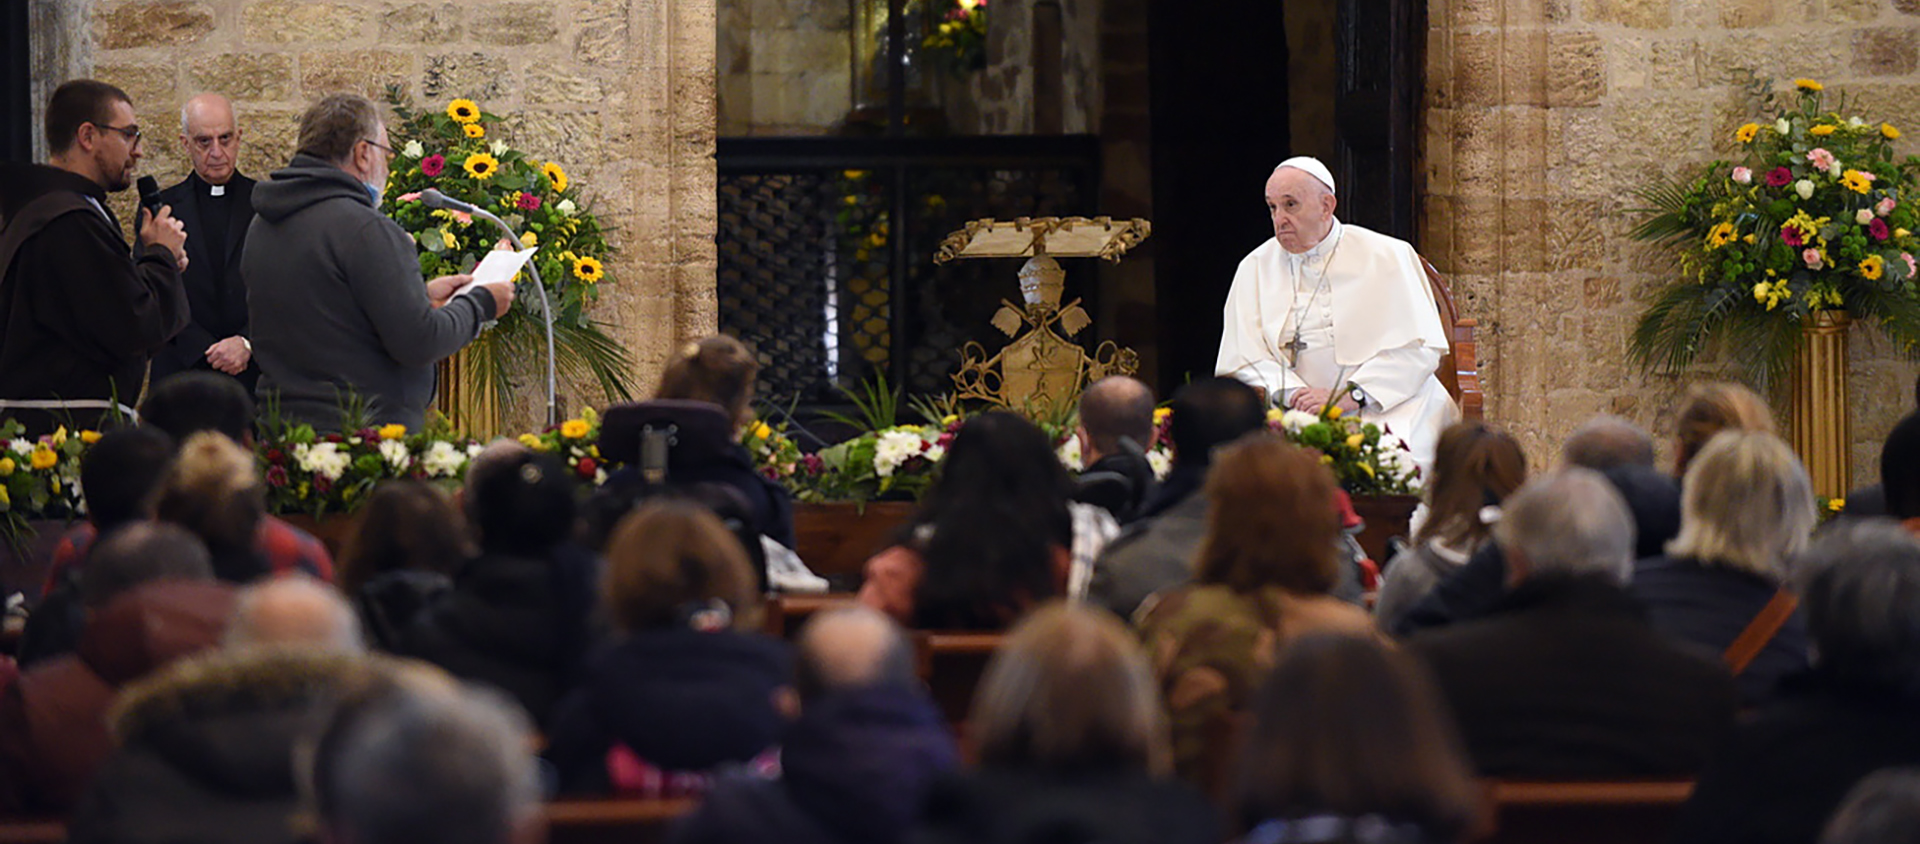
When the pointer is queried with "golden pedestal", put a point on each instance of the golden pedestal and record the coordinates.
(1820, 406)
(466, 395)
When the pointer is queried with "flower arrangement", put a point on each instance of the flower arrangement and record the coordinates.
(1815, 216)
(897, 461)
(575, 442)
(317, 474)
(959, 41)
(39, 479)
(1365, 459)
(460, 152)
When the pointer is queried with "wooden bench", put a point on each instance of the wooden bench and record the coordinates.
(787, 613)
(952, 664)
(614, 820)
(1599, 812)
(32, 831)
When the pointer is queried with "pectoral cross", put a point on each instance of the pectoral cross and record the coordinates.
(1294, 347)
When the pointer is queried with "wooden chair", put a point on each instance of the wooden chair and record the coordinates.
(1459, 369)
(1600, 812)
(32, 831)
(614, 820)
(785, 614)
(951, 664)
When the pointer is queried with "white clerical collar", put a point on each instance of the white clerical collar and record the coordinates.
(216, 190)
(1320, 250)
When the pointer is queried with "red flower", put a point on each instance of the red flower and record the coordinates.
(587, 467)
(275, 455)
(1878, 228)
(1778, 177)
(812, 464)
(433, 165)
(529, 202)
(321, 485)
(1791, 236)
(276, 476)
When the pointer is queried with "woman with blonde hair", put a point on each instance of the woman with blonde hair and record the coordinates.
(1071, 741)
(213, 489)
(1709, 409)
(1261, 578)
(688, 685)
(1746, 509)
(1475, 467)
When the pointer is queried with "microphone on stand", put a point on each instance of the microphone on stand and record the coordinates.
(435, 199)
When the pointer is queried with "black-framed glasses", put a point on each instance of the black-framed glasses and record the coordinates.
(379, 146)
(131, 133)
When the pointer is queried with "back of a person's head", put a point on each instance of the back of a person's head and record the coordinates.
(294, 612)
(214, 490)
(138, 553)
(1271, 519)
(1114, 407)
(332, 126)
(1900, 468)
(118, 474)
(417, 758)
(717, 369)
(1474, 466)
(1069, 690)
(1606, 441)
(1884, 808)
(404, 524)
(1746, 504)
(1000, 457)
(1212, 412)
(523, 504)
(1345, 725)
(1711, 408)
(672, 563)
(1570, 521)
(852, 648)
(1861, 594)
(187, 403)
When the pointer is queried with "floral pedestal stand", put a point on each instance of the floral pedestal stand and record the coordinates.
(1818, 388)
(467, 397)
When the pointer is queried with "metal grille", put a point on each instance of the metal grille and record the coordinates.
(771, 270)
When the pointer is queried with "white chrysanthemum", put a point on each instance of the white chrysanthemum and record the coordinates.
(1069, 454)
(1782, 126)
(893, 448)
(473, 449)
(442, 460)
(324, 459)
(1294, 420)
(20, 447)
(935, 453)
(1863, 216)
(396, 454)
(1161, 461)
(413, 149)
(565, 206)
(1804, 188)
(498, 147)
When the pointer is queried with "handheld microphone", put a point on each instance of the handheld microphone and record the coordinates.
(150, 195)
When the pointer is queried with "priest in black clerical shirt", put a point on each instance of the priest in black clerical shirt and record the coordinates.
(215, 204)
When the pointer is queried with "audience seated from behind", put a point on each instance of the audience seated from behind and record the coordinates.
(1116, 429)
(1351, 744)
(687, 687)
(992, 537)
(1610, 445)
(1784, 772)
(407, 539)
(117, 478)
(150, 599)
(518, 616)
(1747, 509)
(208, 745)
(1564, 677)
(1262, 577)
(415, 758)
(1883, 809)
(859, 755)
(214, 490)
(1870, 501)
(1071, 745)
(1900, 472)
(1475, 467)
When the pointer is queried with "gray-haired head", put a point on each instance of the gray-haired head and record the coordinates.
(296, 612)
(1569, 521)
(1861, 594)
(421, 759)
(1884, 808)
(1606, 441)
(854, 647)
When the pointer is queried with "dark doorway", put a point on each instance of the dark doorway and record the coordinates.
(1376, 114)
(16, 83)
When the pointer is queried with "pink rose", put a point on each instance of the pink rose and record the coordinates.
(1779, 177)
(1812, 257)
(1912, 269)
(1885, 207)
(1821, 159)
(1743, 175)
(462, 216)
(433, 165)
(1878, 228)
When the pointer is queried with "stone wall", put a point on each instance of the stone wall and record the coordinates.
(1541, 118)
(621, 92)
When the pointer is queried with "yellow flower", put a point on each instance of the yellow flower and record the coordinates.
(532, 442)
(1887, 130)
(1749, 237)
(60, 435)
(6, 466)
(1835, 505)
(1333, 411)
(1822, 130)
(463, 111)
(1872, 266)
(89, 437)
(588, 270)
(762, 431)
(1367, 469)
(529, 239)
(1275, 414)
(555, 175)
(393, 432)
(481, 165)
(1160, 415)
(574, 429)
(1356, 440)
(1326, 459)
(1856, 181)
(1747, 133)
(855, 174)
(448, 238)
(1808, 85)
(1720, 235)
(1901, 232)
(6, 498)
(474, 130)
(43, 458)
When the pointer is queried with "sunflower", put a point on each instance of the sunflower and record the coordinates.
(574, 429)
(555, 175)
(1857, 181)
(1720, 235)
(463, 111)
(1809, 85)
(1887, 130)
(1872, 267)
(1746, 134)
(474, 130)
(481, 165)
(587, 270)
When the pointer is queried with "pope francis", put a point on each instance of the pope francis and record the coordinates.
(1331, 312)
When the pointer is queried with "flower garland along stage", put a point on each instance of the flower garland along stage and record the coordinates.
(458, 152)
(1817, 217)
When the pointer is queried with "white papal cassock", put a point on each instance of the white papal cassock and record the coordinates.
(1365, 315)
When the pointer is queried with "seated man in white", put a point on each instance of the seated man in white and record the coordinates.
(1326, 304)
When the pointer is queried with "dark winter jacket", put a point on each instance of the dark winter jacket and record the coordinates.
(1120, 483)
(999, 806)
(336, 304)
(1710, 606)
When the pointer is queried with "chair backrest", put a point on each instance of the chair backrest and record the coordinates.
(1582, 812)
(1459, 367)
(787, 613)
(952, 664)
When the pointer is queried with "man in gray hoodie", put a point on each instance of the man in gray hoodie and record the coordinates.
(335, 298)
